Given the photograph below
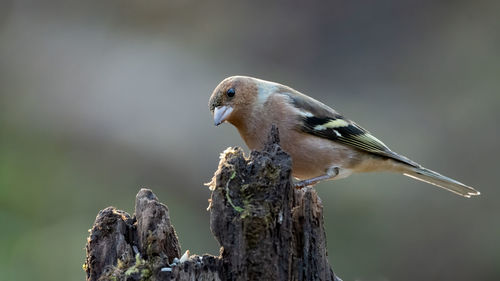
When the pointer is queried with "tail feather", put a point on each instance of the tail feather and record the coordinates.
(431, 177)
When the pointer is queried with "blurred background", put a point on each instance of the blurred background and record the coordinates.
(100, 98)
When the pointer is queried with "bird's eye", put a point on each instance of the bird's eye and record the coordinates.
(230, 92)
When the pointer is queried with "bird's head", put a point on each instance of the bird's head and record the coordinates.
(232, 97)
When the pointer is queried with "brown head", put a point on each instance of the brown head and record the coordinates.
(233, 98)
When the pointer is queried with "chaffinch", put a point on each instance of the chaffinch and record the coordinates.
(322, 143)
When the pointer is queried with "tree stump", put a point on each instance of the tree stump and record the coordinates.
(267, 229)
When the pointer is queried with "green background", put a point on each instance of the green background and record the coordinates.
(100, 98)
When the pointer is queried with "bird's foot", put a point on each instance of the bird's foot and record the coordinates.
(330, 174)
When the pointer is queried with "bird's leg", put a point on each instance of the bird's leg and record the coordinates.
(330, 173)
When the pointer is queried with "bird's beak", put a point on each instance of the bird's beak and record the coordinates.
(221, 113)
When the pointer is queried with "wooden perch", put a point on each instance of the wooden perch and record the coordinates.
(267, 229)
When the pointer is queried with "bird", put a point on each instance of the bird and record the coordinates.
(322, 143)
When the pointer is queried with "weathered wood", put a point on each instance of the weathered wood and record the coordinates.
(267, 229)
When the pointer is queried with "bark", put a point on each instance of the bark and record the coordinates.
(267, 229)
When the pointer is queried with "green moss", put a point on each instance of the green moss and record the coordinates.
(140, 267)
(272, 172)
(149, 247)
(131, 270)
(236, 208)
(145, 273)
(121, 264)
(134, 269)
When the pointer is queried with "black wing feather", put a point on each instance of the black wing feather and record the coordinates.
(349, 133)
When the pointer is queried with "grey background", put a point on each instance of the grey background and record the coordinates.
(100, 98)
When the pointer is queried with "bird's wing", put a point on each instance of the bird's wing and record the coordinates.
(349, 133)
(322, 121)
